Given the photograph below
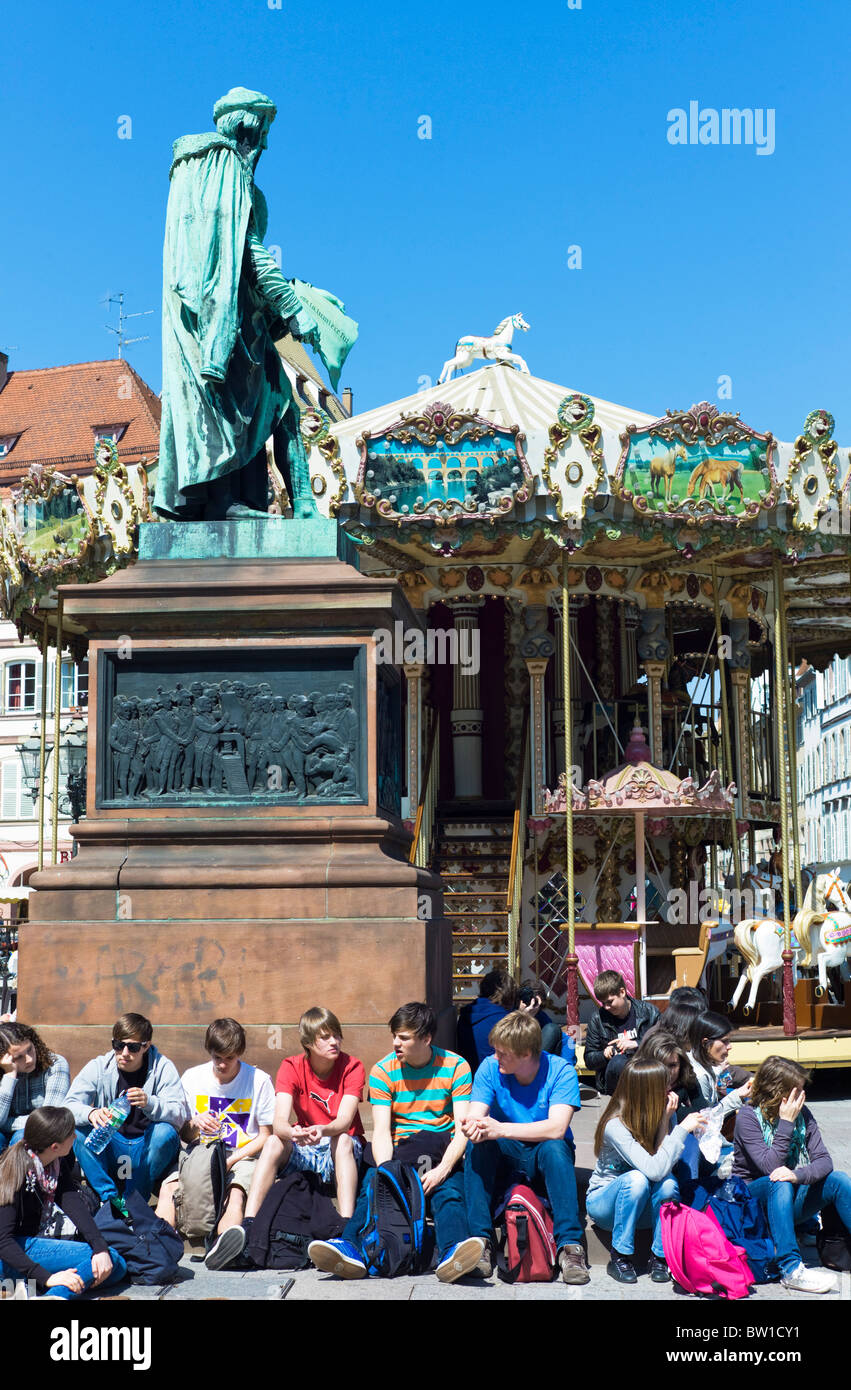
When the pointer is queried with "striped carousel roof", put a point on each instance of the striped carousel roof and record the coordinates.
(498, 392)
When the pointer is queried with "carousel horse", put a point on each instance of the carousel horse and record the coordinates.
(816, 937)
(825, 935)
(497, 348)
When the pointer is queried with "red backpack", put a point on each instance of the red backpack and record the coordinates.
(699, 1255)
(527, 1254)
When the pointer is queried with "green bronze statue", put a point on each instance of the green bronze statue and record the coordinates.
(225, 302)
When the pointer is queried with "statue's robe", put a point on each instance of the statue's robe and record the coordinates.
(224, 303)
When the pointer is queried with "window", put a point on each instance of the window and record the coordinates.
(16, 803)
(7, 444)
(20, 686)
(112, 433)
(75, 684)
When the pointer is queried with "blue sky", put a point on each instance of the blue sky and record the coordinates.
(549, 130)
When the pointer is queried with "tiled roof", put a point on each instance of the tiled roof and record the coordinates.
(56, 410)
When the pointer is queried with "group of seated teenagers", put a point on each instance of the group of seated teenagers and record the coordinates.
(470, 1133)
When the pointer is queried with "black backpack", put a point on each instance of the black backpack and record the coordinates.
(295, 1211)
(392, 1237)
(151, 1249)
(833, 1241)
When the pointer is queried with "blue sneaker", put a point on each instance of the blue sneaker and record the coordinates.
(462, 1259)
(338, 1257)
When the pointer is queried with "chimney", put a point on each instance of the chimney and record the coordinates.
(347, 399)
(4, 369)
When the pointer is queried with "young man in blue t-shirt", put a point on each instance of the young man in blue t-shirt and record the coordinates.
(519, 1123)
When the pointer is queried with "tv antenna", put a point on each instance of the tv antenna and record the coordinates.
(122, 319)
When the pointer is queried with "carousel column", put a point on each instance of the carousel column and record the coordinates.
(536, 650)
(653, 651)
(740, 679)
(466, 718)
(576, 602)
(414, 675)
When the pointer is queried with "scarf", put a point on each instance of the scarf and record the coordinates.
(40, 1177)
(797, 1151)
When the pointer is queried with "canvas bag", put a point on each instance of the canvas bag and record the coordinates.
(151, 1250)
(200, 1195)
(527, 1252)
(743, 1222)
(699, 1255)
(392, 1237)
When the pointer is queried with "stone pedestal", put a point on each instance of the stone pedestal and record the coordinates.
(233, 860)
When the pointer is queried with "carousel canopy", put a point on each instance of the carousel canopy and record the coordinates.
(637, 785)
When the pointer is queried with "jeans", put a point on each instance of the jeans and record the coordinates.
(612, 1074)
(790, 1204)
(552, 1160)
(628, 1203)
(54, 1255)
(150, 1156)
(6, 1140)
(446, 1204)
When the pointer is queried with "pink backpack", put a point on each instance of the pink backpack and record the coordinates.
(699, 1255)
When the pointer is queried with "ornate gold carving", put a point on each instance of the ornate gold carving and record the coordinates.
(536, 585)
(329, 448)
(451, 579)
(655, 583)
(575, 416)
(499, 578)
(616, 579)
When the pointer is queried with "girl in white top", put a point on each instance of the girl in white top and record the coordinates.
(708, 1054)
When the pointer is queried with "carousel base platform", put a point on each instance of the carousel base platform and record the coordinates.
(811, 1047)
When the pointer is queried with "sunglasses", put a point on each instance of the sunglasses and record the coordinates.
(133, 1047)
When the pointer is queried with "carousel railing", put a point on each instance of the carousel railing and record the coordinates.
(693, 741)
(514, 892)
(424, 823)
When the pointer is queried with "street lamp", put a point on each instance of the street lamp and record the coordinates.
(29, 753)
(72, 765)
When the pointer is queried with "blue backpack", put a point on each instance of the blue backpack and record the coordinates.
(744, 1223)
(392, 1237)
(152, 1249)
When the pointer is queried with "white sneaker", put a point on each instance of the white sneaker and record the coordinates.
(460, 1260)
(806, 1280)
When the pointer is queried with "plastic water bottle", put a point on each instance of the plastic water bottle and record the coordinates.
(97, 1141)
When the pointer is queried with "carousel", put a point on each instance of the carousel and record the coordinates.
(597, 743)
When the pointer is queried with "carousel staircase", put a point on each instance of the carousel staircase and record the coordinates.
(472, 854)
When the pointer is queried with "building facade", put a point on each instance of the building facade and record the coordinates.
(824, 765)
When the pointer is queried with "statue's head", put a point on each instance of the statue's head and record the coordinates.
(245, 116)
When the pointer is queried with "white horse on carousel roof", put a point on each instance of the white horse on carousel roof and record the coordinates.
(821, 937)
(496, 348)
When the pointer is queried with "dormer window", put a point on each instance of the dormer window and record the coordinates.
(7, 443)
(109, 434)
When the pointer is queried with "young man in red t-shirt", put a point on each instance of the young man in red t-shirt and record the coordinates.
(317, 1125)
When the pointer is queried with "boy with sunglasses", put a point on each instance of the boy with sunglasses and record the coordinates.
(145, 1146)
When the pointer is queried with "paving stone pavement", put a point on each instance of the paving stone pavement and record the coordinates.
(829, 1097)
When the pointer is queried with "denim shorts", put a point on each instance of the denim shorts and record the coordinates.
(316, 1158)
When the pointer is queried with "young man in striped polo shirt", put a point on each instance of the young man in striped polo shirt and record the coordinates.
(420, 1097)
